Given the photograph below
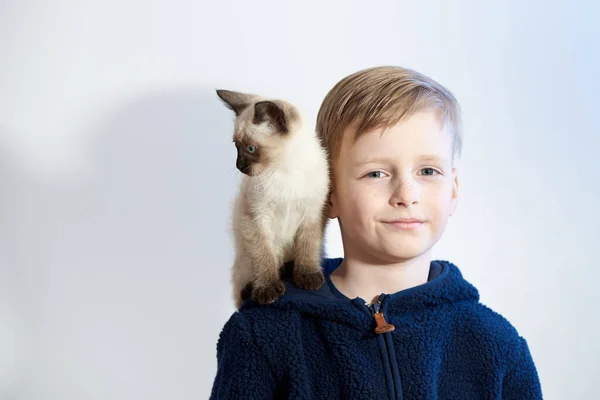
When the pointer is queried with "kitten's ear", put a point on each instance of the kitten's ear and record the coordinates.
(235, 101)
(272, 112)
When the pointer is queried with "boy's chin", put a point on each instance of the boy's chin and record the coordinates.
(402, 251)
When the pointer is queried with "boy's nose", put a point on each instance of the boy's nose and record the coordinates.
(406, 194)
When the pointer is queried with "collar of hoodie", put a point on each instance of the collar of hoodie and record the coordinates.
(445, 286)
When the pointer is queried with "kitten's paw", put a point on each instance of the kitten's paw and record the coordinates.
(246, 292)
(312, 280)
(268, 294)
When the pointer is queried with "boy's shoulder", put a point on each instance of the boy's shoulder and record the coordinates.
(483, 318)
(484, 330)
(492, 337)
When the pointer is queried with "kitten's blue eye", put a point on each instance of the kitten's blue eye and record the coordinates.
(251, 148)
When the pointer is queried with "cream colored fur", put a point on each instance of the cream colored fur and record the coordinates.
(279, 214)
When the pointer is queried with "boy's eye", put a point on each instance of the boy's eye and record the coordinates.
(433, 171)
(373, 172)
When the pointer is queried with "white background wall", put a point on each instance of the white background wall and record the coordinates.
(117, 172)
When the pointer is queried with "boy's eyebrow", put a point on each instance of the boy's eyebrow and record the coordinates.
(425, 157)
(432, 157)
(372, 160)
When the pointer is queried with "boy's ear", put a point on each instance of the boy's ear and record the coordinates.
(332, 209)
(454, 200)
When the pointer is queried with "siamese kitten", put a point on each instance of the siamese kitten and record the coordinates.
(279, 214)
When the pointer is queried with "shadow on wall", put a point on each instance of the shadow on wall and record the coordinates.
(138, 250)
(14, 311)
(159, 197)
(163, 185)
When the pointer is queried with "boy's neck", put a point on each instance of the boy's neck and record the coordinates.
(355, 277)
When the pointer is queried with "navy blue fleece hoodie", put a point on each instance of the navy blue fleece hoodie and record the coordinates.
(433, 341)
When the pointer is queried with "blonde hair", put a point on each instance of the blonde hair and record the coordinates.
(380, 97)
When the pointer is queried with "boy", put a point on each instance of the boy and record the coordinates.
(389, 322)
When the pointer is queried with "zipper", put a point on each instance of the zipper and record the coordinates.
(377, 314)
(386, 347)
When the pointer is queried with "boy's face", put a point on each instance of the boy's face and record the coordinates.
(384, 178)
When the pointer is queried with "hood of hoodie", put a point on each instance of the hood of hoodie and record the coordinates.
(445, 285)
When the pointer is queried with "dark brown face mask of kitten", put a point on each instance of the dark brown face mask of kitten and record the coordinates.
(262, 128)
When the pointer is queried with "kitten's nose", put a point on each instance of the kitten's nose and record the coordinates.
(244, 168)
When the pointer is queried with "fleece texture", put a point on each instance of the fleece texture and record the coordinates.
(320, 344)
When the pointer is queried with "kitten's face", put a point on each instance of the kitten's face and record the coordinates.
(261, 131)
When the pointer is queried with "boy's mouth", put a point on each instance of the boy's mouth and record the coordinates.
(405, 223)
(405, 220)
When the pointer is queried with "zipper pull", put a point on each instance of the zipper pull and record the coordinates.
(382, 325)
